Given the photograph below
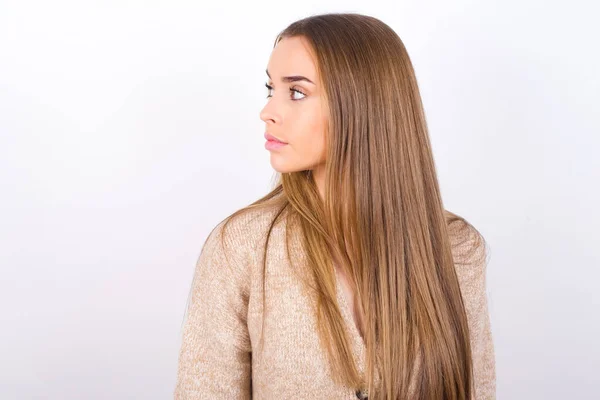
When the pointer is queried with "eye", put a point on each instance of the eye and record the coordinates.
(269, 88)
(293, 91)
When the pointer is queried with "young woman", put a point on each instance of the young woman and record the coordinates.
(349, 279)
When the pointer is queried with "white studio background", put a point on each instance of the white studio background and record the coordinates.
(129, 129)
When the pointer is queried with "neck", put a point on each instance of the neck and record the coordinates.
(318, 174)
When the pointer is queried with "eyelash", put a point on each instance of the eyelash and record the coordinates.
(291, 90)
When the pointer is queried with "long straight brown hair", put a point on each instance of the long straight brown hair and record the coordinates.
(382, 218)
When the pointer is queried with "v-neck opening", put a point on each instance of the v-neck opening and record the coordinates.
(347, 313)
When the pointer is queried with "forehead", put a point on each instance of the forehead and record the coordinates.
(292, 56)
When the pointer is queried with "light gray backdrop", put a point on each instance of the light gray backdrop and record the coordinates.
(129, 129)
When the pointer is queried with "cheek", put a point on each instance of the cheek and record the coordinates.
(313, 141)
(307, 144)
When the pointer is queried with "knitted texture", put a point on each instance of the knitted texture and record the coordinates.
(220, 357)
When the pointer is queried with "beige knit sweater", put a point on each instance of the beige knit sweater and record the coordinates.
(218, 360)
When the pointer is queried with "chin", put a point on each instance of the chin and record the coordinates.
(283, 168)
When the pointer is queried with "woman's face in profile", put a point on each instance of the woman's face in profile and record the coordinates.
(293, 113)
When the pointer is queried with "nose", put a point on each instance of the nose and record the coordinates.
(269, 114)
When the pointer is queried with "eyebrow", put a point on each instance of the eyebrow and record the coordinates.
(289, 79)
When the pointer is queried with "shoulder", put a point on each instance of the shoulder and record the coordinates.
(469, 252)
(470, 260)
(240, 233)
(227, 257)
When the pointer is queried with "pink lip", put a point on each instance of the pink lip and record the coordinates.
(270, 137)
(273, 143)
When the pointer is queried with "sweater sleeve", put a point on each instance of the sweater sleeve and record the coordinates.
(471, 264)
(215, 354)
